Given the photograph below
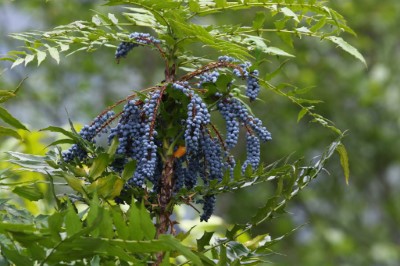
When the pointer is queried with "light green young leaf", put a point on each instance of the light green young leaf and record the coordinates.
(301, 114)
(347, 47)
(29, 58)
(112, 18)
(344, 161)
(96, 20)
(54, 53)
(40, 56)
(18, 62)
(289, 13)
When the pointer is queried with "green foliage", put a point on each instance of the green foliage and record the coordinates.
(85, 214)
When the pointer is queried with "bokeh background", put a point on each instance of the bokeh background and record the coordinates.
(355, 224)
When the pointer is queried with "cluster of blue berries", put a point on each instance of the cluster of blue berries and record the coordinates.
(88, 133)
(139, 38)
(206, 77)
(208, 207)
(242, 71)
(253, 152)
(234, 112)
(207, 152)
(197, 118)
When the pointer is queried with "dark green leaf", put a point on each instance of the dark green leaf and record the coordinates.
(14, 256)
(60, 130)
(204, 240)
(9, 132)
(9, 119)
(55, 222)
(120, 223)
(73, 223)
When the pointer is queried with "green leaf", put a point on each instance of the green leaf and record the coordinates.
(96, 20)
(140, 224)
(129, 169)
(41, 56)
(75, 183)
(194, 6)
(107, 187)
(204, 240)
(220, 3)
(258, 21)
(14, 256)
(55, 222)
(276, 51)
(5, 131)
(30, 192)
(106, 225)
(9, 119)
(94, 215)
(73, 223)
(18, 62)
(289, 13)
(113, 19)
(29, 58)
(99, 166)
(301, 114)
(185, 251)
(54, 53)
(347, 47)
(344, 161)
(120, 223)
(60, 130)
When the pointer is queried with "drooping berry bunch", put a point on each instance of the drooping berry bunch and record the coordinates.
(144, 126)
(138, 39)
(88, 133)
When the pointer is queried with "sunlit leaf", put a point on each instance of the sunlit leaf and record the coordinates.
(347, 47)
(344, 161)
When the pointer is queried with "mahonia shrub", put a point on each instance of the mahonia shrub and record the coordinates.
(162, 146)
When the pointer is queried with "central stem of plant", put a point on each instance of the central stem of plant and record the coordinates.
(164, 201)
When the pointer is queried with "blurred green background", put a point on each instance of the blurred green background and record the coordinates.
(355, 224)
